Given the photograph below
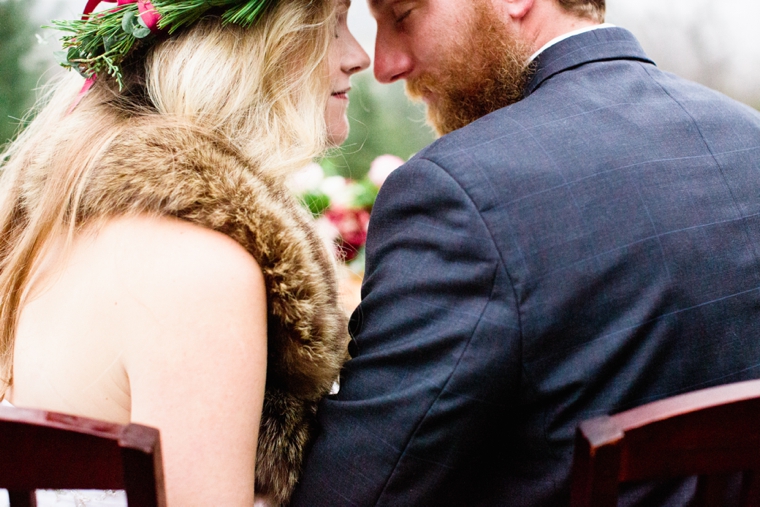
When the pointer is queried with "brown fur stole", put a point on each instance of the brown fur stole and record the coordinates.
(171, 170)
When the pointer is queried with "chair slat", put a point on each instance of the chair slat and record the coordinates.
(22, 498)
(597, 467)
(46, 450)
(141, 461)
(711, 490)
(707, 433)
(750, 493)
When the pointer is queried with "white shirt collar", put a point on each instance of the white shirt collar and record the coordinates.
(567, 36)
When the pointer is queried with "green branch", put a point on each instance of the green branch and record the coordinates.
(102, 41)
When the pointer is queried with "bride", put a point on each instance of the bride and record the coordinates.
(154, 268)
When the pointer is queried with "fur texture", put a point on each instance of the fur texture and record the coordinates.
(173, 170)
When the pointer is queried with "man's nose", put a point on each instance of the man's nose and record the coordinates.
(392, 62)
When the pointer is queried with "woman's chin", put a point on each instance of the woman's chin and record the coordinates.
(336, 122)
(336, 137)
(335, 143)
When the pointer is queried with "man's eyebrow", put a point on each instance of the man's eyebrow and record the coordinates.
(376, 4)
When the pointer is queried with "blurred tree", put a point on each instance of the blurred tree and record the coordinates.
(382, 121)
(17, 75)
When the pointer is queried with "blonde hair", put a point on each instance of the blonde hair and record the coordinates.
(262, 89)
(589, 9)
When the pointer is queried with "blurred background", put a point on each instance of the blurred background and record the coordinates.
(714, 42)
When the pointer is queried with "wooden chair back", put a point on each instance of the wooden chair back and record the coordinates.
(48, 450)
(713, 434)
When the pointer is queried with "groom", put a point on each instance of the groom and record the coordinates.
(591, 245)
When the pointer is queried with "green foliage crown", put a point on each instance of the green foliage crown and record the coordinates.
(100, 42)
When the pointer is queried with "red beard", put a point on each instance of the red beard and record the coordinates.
(482, 73)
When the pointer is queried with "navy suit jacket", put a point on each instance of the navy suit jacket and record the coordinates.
(589, 249)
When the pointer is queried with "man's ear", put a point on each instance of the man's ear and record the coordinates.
(515, 9)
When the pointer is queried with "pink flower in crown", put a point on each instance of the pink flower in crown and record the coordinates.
(382, 167)
(352, 226)
(149, 14)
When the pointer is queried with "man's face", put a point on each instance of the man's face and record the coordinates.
(456, 55)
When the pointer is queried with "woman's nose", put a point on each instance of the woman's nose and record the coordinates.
(356, 59)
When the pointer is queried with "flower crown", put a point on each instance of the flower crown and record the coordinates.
(99, 42)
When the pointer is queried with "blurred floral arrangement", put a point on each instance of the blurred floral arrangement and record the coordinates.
(342, 206)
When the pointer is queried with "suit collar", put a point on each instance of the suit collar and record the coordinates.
(596, 45)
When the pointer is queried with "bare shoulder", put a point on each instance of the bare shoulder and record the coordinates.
(191, 313)
(169, 247)
(169, 280)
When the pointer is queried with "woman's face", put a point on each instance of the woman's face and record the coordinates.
(346, 57)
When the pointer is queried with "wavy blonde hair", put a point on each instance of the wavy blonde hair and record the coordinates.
(262, 89)
(589, 9)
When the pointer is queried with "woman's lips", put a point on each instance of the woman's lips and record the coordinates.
(342, 95)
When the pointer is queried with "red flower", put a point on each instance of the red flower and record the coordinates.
(352, 226)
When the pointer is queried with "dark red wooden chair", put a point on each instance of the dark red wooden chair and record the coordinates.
(47, 450)
(713, 434)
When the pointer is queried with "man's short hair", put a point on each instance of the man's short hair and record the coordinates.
(591, 9)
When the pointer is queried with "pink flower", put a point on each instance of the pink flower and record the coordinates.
(352, 226)
(382, 167)
(307, 179)
(327, 231)
(338, 189)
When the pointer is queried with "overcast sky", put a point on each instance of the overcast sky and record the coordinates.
(715, 42)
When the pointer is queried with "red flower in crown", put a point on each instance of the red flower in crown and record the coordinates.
(148, 13)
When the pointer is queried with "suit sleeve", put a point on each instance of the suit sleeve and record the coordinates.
(436, 354)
